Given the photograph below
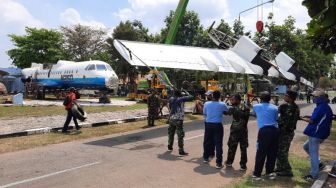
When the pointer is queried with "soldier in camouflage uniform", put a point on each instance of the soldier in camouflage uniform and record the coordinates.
(176, 116)
(153, 103)
(289, 115)
(238, 131)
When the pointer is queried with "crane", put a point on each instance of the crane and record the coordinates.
(174, 26)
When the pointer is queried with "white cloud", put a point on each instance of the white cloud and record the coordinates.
(71, 16)
(124, 14)
(15, 14)
(152, 13)
(281, 10)
(14, 17)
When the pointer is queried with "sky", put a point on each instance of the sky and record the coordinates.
(15, 15)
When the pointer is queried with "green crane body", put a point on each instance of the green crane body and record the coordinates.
(173, 29)
(174, 26)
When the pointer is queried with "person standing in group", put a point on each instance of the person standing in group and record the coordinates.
(267, 141)
(309, 94)
(318, 129)
(153, 103)
(69, 101)
(213, 135)
(238, 131)
(289, 115)
(176, 116)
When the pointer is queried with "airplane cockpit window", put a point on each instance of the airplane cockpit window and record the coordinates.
(101, 67)
(91, 67)
(109, 68)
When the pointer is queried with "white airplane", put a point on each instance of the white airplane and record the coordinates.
(245, 57)
(96, 75)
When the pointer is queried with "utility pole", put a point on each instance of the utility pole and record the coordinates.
(271, 1)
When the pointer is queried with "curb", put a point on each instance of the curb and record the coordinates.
(322, 178)
(45, 130)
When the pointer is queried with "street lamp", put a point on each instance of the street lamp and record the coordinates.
(270, 1)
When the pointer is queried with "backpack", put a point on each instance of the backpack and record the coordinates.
(78, 95)
(67, 101)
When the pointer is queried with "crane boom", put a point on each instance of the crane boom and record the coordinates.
(173, 29)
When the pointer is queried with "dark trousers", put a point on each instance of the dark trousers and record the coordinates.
(176, 126)
(237, 137)
(285, 139)
(267, 149)
(68, 120)
(213, 138)
(152, 115)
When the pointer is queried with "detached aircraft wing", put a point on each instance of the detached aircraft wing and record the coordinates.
(284, 63)
(285, 67)
(306, 82)
(245, 57)
(184, 57)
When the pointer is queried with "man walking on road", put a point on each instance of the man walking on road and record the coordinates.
(176, 116)
(289, 115)
(213, 136)
(69, 101)
(317, 130)
(267, 141)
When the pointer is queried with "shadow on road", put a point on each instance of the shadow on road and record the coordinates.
(169, 157)
(143, 136)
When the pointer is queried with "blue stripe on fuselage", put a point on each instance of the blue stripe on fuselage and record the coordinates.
(74, 82)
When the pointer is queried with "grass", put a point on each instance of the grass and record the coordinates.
(333, 132)
(28, 142)
(24, 111)
(300, 167)
(37, 111)
(328, 147)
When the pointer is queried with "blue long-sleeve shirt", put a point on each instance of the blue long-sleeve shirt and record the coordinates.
(176, 105)
(267, 114)
(321, 120)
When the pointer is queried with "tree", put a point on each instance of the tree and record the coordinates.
(132, 31)
(225, 28)
(82, 43)
(202, 39)
(187, 31)
(322, 27)
(38, 45)
(324, 82)
(311, 62)
(238, 29)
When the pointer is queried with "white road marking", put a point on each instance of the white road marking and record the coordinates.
(201, 135)
(47, 175)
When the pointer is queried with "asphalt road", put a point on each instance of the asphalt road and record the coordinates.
(134, 159)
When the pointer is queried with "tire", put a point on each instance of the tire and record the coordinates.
(78, 112)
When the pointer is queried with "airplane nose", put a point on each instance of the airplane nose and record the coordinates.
(111, 82)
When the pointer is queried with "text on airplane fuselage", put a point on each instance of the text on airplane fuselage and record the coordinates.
(67, 77)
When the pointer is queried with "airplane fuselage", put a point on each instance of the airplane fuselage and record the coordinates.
(81, 75)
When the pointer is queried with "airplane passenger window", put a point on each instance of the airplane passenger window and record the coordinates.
(101, 67)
